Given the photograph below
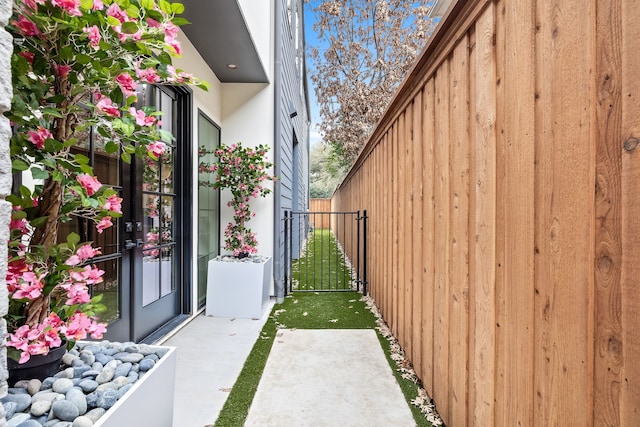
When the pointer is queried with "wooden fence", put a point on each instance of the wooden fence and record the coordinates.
(320, 205)
(503, 191)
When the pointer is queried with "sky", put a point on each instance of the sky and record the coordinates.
(311, 39)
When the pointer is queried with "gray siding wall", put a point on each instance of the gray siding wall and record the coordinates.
(291, 75)
(6, 92)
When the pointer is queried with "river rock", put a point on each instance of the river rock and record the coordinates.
(62, 385)
(22, 401)
(40, 407)
(82, 421)
(65, 410)
(78, 398)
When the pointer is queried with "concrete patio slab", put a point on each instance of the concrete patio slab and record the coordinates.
(329, 377)
(211, 352)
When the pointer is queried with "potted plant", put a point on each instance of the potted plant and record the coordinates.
(243, 171)
(77, 67)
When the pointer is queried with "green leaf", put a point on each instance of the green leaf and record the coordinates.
(81, 159)
(52, 112)
(147, 4)
(166, 136)
(116, 96)
(165, 58)
(73, 238)
(86, 4)
(104, 132)
(39, 222)
(66, 53)
(204, 86)
(133, 11)
(177, 8)
(129, 28)
(19, 165)
(126, 157)
(83, 59)
(111, 147)
(113, 21)
(86, 169)
(165, 6)
(25, 192)
(154, 14)
(38, 173)
(57, 176)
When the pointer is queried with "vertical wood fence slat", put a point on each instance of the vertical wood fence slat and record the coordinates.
(459, 214)
(484, 214)
(502, 184)
(428, 249)
(417, 233)
(442, 240)
(630, 298)
(408, 243)
(403, 234)
(608, 334)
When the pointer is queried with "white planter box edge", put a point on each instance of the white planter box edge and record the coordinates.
(238, 289)
(150, 400)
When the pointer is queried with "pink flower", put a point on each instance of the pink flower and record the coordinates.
(80, 324)
(108, 107)
(28, 56)
(19, 224)
(141, 118)
(39, 136)
(156, 149)
(113, 204)
(77, 293)
(171, 30)
(76, 328)
(83, 253)
(115, 11)
(31, 4)
(70, 6)
(62, 70)
(89, 183)
(149, 75)
(177, 48)
(94, 36)
(27, 27)
(124, 36)
(127, 84)
(103, 224)
(97, 5)
(153, 23)
(87, 275)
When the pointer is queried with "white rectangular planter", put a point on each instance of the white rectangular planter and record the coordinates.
(150, 401)
(238, 289)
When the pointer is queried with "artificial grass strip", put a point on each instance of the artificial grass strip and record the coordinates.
(306, 310)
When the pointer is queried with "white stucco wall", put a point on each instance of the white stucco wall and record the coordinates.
(248, 118)
(6, 92)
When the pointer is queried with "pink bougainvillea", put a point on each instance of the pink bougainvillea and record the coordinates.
(76, 68)
(242, 170)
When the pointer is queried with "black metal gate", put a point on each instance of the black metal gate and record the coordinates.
(325, 251)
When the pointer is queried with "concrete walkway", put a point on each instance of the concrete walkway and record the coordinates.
(328, 377)
(211, 352)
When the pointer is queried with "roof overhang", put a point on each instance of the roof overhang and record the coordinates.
(219, 32)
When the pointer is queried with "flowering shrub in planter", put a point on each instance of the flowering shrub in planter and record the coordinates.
(242, 170)
(77, 68)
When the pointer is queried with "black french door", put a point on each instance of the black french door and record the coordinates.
(146, 254)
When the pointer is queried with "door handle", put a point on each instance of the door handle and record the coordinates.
(130, 244)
